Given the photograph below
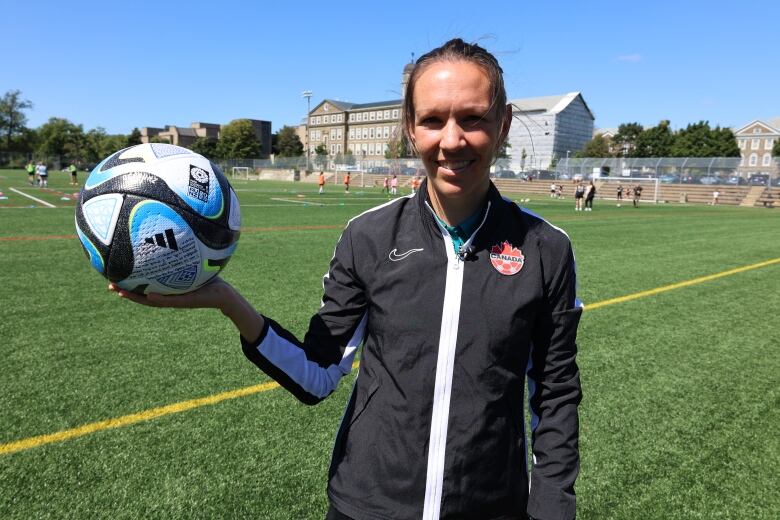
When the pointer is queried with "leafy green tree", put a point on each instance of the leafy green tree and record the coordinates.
(206, 147)
(656, 141)
(725, 142)
(624, 141)
(320, 156)
(699, 140)
(288, 144)
(98, 145)
(238, 141)
(396, 147)
(58, 136)
(12, 116)
(134, 138)
(776, 148)
(597, 147)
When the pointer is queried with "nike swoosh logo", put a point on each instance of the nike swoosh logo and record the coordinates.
(395, 257)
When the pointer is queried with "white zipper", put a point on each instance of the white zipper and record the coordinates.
(445, 363)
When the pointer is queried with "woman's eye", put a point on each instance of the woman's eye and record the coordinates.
(427, 121)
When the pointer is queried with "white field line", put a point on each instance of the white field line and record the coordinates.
(299, 201)
(23, 194)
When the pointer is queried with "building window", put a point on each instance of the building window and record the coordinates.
(332, 133)
(338, 133)
(370, 148)
(351, 117)
(365, 133)
(387, 114)
(359, 116)
(372, 116)
(311, 120)
(754, 144)
(753, 159)
(768, 144)
(379, 115)
(326, 119)
(370, 133)
(351, 133)
(756, 130)
(386, 132)
(319, 119)
(395, 113)
(767, 160)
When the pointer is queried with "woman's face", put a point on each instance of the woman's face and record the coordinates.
(453, 131)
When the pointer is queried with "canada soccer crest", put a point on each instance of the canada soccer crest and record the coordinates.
(506, 258)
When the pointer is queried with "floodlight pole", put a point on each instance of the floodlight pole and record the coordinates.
(307, 94)
(567, 164)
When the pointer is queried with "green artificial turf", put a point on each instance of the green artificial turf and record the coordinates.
(680, 406)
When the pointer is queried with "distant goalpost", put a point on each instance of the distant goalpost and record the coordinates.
(608, 189)
(240, 172)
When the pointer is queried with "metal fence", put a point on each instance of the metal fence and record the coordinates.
(684, 170)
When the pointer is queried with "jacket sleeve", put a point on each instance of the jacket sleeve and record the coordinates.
(311, 369)
(555, 392)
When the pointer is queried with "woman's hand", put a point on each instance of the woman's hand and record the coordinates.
(216, 294)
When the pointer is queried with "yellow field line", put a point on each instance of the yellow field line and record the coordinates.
(153, 413)
(679, 285)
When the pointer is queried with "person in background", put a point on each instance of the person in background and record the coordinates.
(590, 194)
(43, 175)
(346, 183)
(458, 298)
(579, 193)
(321, 182)
(30, 173)
(386, 185)
(619, 195)
(637, 195)
(394, 185)
(74, 181)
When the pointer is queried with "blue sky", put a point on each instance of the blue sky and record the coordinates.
(121, 65)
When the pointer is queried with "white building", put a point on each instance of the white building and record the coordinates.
(547, 128)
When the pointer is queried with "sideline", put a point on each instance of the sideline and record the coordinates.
(678, 285)
(23, 194)
(182, 406)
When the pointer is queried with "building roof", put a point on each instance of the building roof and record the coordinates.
(773, 123)
(346, 105)
(551, 104)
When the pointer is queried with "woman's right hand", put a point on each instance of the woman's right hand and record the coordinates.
(216, 294)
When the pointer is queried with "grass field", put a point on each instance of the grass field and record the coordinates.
(681, 388)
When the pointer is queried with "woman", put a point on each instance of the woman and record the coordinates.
(590, 193)
(456, 294)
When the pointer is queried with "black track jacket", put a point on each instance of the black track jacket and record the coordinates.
(435, 425)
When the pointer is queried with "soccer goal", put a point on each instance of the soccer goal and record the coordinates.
(607, 188)
(240, 172)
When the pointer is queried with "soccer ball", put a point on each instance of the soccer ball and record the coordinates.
(158, 218)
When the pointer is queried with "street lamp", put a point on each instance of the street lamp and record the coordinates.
(307, 94)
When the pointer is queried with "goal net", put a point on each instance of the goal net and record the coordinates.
(240, 172)
(607, 188)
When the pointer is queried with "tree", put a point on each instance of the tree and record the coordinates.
(97, 145)
(625, 139)
(725, 142)
(238, 141)
(320, 156)
(206, 147)
(12, 116)
(58, 136)
(699, 140)
(776, 148)
(288, 144)
(596, 147)
(134, 138)
(396, 147)
(655, 142)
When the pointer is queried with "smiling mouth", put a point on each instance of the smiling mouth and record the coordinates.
(454, 166)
